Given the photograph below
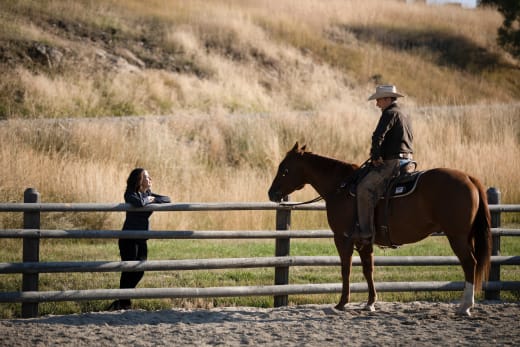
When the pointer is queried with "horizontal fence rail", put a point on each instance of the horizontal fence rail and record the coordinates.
(189, 234)
(172, 207)
(31, 267)
(288, 289)
(233, 263)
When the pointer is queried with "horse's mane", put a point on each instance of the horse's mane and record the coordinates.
(331, 164)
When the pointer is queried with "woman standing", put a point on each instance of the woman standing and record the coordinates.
(138, 193)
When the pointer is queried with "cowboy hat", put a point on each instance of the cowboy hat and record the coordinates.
(385, 91)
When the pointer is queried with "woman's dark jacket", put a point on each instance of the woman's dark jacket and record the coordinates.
(139, 220)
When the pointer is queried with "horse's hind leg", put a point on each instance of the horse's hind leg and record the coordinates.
(463, 250)
(366, 253)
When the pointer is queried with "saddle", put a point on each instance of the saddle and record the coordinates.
(403, 184)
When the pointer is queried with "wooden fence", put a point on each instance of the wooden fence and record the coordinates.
(31, 234)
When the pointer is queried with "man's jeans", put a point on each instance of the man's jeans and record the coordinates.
(369, 190)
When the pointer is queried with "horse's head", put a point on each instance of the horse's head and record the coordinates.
(289, 176)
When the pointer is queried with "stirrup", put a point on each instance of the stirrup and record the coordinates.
(353, 234)
(365, 240)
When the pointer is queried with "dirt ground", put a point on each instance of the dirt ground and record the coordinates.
(392, 324)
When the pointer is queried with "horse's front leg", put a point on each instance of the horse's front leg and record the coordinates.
(366, 253)
(345, 249)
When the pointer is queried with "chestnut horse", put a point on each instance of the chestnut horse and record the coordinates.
(444, 200)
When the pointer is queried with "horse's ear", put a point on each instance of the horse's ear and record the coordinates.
(304, 147)
(295, 148)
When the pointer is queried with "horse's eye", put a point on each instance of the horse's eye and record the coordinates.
(285, 172)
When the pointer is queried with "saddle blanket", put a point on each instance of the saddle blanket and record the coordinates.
(401, 186)
(404, 185)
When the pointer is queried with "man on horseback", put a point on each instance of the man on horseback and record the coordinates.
(391, 145)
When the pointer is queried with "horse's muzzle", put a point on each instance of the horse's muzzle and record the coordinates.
(275, 196)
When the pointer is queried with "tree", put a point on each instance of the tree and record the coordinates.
(509, 32)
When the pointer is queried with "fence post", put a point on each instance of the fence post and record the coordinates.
(283, 246)
(493, 196)
(31, 252)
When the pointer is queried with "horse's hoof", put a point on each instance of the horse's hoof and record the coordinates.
(370, 308)
(464, 312)
(340, 307)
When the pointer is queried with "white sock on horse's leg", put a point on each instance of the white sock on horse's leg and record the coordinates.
(468, 299)
(370, 307)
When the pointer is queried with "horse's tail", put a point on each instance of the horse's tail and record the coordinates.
(481, 233)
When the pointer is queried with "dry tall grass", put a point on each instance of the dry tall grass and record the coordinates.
(199, 158)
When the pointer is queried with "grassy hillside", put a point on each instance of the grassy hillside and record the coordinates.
(106, 58)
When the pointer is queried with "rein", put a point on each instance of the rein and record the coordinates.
(316, 199)
(354, 177)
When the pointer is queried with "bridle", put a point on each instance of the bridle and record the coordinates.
(343, 185)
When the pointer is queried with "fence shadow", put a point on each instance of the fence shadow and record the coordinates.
(184, 316)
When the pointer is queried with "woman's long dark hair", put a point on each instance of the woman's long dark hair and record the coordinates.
(134, 180)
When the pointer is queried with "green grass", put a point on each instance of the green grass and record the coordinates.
(88, 250)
